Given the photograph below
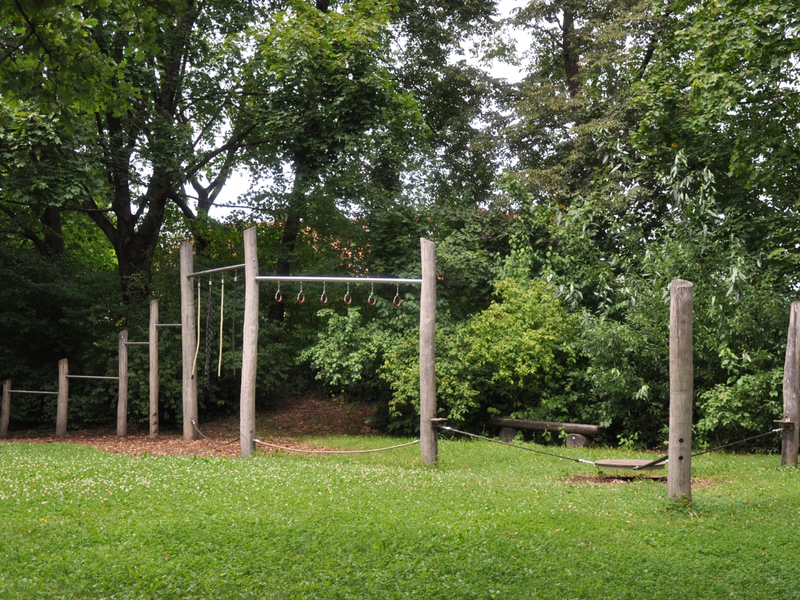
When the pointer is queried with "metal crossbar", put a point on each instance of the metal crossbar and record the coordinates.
(218, 270)
(168, 324)
(89, 377)
(30, 392)
(137, 343)
(283, 278)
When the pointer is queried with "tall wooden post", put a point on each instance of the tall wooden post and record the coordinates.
(681, 391)
(63, 397)
(6, 409)
(791, 390)
(247, 402)
(154, 381)
(188, 342)
(122, 401)
(427, 354)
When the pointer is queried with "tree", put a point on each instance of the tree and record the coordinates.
(153, 90)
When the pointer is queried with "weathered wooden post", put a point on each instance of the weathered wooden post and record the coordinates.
(681, 390)
(122, 401)
(63, 397)
(188, 342)
(154, 381)
(427, 354)
(6, 409)
(791, 390)
(247, 402)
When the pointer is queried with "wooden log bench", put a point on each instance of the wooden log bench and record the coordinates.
(579, 433)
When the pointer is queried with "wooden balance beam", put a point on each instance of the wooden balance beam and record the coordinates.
(579, 433)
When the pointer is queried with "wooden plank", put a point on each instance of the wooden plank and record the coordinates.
(681, 391)
(63, 397)
(6, 409)
(154, 381)
(427, 354)
(247, 398)
(549, 426)
(791, 390)
(122, 400)
(188, 342)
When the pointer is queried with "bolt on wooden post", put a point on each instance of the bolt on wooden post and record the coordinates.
(122, 401)
(247, 400)
(63, 397)
(6, 409)
(791, 390)
(427, 354)
(681, 390)
(188, 342)
(153, 356)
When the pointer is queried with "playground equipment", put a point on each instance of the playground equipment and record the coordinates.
(428, 442)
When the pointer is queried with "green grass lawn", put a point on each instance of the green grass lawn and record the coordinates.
(487, 522)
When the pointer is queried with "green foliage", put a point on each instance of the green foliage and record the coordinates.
(514, 357)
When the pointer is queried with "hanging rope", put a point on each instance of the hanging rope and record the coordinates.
(221, 324)
(205, 437)
(197, 343)
(207, 371)
(233, 325)
(480, 437)
(334, 451)
(755, 437)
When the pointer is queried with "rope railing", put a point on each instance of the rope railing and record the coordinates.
(263, 443)
(257, 441)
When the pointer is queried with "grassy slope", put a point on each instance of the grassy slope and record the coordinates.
(487, 522)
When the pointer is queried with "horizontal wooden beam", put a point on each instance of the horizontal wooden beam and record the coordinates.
(549, 426)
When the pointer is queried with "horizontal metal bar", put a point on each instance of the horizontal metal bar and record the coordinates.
(89, 377)
(168, 324)
(30, 392)
(219, 270)
(137, 343)
(338, 279)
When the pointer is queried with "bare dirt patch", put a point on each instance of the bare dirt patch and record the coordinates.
(281, 425)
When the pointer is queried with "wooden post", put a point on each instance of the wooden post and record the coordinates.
(63, 397)
(681, 390)
(188, 342)
(247, 402)
(122, 401)
(427, 354)
(4, 412)
(791, 390)
(154, 381)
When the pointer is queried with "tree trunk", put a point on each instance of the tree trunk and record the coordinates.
(53, 234)
(570, 53)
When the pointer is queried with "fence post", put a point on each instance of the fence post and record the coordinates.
(63, 397)
(154, 381)
(791, 390)
(427, 354)
(188, 342)
(247, 402)
(122, 401)
(681, 390)
(4, 412)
